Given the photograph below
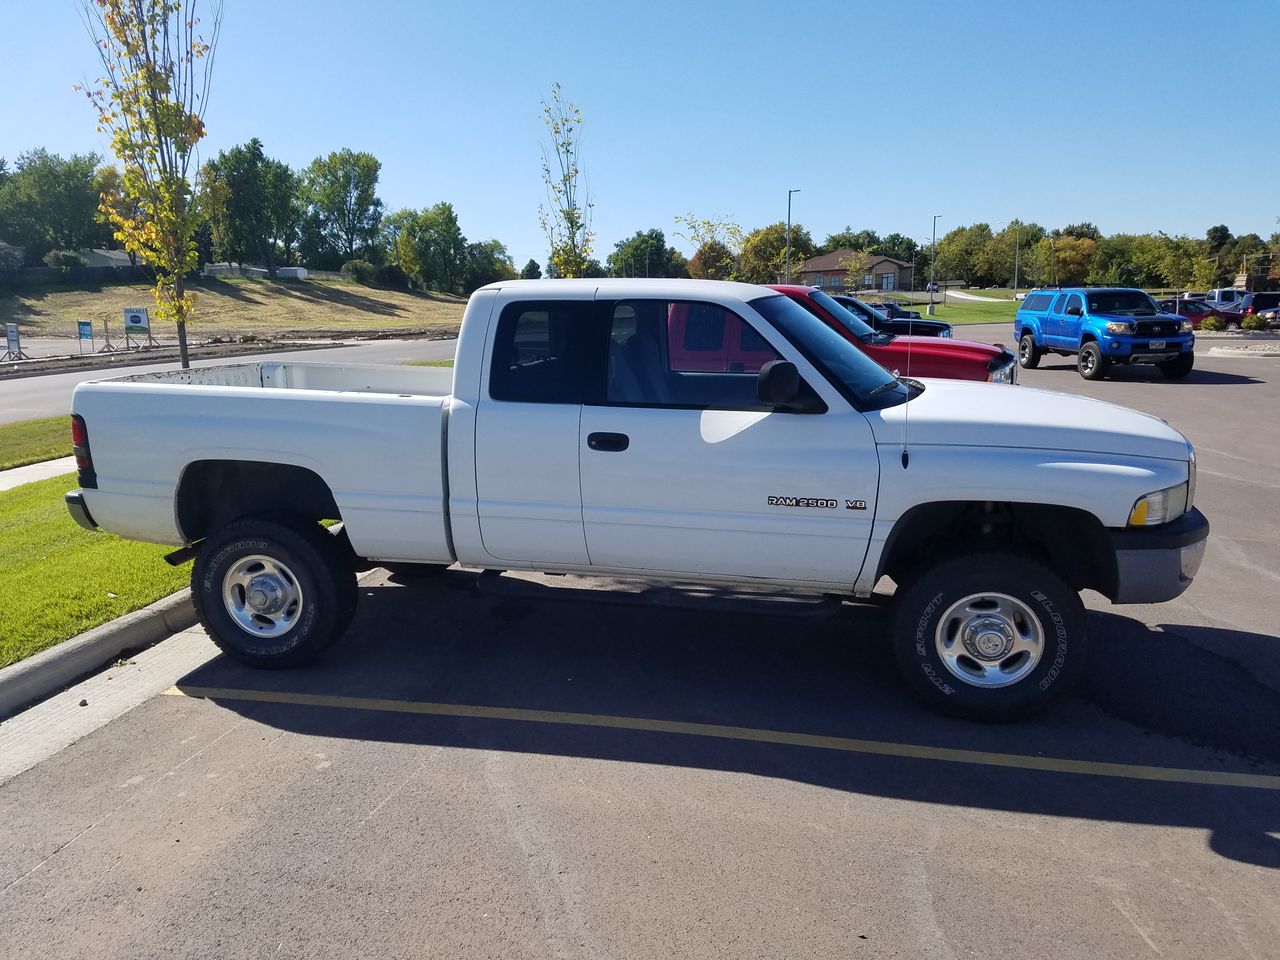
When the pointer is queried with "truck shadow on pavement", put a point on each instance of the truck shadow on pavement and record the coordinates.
(1139, 372)
(1152, 698)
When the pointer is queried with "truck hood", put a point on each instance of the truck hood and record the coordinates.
(965, 413)
(945, 347)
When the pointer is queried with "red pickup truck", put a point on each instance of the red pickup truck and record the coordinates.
(929, 356)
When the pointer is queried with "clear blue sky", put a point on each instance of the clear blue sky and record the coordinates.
(882, 113)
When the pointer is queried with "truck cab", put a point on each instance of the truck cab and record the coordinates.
(1102, 326)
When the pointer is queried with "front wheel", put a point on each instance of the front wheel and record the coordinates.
(1028, 352)
(272, 594)
(1091, 363)
(1233, 326)
(1178, 368)
(989, 635)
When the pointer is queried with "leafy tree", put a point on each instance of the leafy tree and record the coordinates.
(1081, 231)
(487, 262)
(151, 100)
(342, 199)
(284, 208)
(441, 248)
(960, 254)
(1217, 238)
(996, 260)
(712, 261)
(50, 203)
(899, 247)
(4, 171)
(235, 188)
(531, 271)
(699, 232)
(646, 254)
(764, 251)
(850, 239)
(566, 218)
(1063, 260)
(593, 269)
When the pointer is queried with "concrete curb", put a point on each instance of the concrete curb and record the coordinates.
(1242, 352)
(50, 670)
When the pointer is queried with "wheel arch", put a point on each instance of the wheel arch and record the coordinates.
(1070, 540)
(214, 493)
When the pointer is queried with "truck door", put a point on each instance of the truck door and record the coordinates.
(529, 503)
(1070, 323)
(1051, 322)
(684, 472)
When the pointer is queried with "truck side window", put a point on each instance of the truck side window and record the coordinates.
(683, 354)
(538, 352)
(1074, 301)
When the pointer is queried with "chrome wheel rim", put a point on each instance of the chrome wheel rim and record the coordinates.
(989, 640)
(1086, 362)
(1024, 349)
(262, 596)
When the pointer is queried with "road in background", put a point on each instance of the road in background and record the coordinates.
(48, 395)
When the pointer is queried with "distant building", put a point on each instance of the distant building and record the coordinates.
(831, 272)
(106, 258)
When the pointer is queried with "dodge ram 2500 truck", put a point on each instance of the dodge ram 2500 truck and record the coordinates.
(605, 427)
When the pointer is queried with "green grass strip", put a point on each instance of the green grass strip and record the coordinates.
(32, 441)
(58, 580)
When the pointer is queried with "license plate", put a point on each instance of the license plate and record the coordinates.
(1157, 344)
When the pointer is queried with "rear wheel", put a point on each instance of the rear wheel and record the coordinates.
(1028, 353)
(1179, 368)
(273, 594)
(1233, 326)
(1091, 363)
(989, 635)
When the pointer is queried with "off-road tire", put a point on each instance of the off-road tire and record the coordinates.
(1028, 353)
(1091, 364)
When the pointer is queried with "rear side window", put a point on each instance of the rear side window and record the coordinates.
(539, 352)
(1037, 302)
(1265, 301)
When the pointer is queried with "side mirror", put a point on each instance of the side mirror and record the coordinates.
(1074, 311)
(778, 383)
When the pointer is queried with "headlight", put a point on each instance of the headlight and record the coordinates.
(1186, 326)
(1160, 507)
(1119, 326)
(1003, 374)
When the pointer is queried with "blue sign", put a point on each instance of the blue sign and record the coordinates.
(86, 329)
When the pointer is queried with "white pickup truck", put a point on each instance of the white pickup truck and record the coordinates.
(612, 427)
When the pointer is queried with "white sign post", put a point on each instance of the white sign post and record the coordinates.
(137, 324)
(13, 343)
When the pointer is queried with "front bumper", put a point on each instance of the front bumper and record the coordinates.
(1139, 350)
(79, 510)
(1155, 564)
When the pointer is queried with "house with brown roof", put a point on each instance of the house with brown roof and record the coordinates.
(830, 271)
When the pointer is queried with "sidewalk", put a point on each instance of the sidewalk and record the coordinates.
(36, 471)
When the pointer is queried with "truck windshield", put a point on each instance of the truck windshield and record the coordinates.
(862, 381)
(854, 323)
(1128, 302)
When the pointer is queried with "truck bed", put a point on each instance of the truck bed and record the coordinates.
(373, 434)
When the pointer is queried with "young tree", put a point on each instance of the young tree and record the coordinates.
(441, 248)
(712, 261)
(531, 271)
(857, 265)
(850, 239)
(566, 218)
(341, 190)
(158, 69)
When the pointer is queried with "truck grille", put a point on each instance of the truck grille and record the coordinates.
(1156, 328)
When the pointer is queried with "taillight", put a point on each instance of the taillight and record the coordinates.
(80, 448)
(1248, 311)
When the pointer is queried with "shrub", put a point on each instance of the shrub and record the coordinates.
(1254, 322)
(63, 259)
(391, 275)
(1212, 323)
(361, 271)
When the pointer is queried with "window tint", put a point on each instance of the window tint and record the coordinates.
(1074, 301)
(1037, 302)
(680, 354)
(1125, 302)
(1060, 303)
(538, 351)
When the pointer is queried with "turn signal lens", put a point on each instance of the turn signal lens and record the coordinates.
(1159, 507)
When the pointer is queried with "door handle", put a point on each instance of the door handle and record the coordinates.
(608, 442)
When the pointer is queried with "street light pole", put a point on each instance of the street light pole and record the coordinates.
(1017, 246)
(788, 268)
(933, 258)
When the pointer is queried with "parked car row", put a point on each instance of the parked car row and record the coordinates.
(891, 318)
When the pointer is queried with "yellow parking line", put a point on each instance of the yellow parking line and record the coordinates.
(881, 748)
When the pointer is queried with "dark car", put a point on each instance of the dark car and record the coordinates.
(894, 312)
(878, 320)
(1247, 306)
(1197, 311)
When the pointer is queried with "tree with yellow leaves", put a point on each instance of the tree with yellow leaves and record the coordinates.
(158, 67)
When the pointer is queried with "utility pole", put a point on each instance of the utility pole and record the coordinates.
(933, 258)
(788, 273)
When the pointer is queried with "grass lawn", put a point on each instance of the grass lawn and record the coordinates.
(31, 441)
(58, 580)
(429, 363)
(234, 307)
(971, 311)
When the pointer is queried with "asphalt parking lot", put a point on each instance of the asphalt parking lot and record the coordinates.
(542, 767)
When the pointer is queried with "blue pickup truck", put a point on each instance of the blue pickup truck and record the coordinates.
(1101, 326)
